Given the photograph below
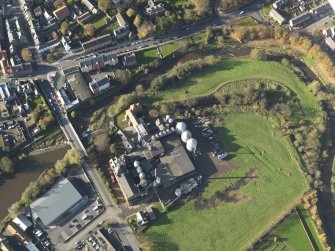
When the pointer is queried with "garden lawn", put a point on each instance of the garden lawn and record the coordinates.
(246, 21)
(167, 49)
(98, 22)
(145, 57)
(292, 231)
(237, 69)
(278, 185)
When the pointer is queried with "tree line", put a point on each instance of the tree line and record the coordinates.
(45, 181)
(6, 165)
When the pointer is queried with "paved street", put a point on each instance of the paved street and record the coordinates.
(144, 44)
(112, 212)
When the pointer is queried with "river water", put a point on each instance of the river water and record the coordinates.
(28, 170)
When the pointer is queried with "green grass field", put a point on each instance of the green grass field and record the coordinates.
(233, 226)
(99, 21)
(238, 69)
(167, 49)
(145, 57)
(292, 231)
(311, 228)
(246, 21)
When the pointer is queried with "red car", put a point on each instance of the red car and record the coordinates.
(112, 176)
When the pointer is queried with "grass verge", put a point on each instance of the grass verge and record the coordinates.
(234, 226)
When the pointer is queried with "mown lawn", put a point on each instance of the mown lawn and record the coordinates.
(293, 233)
(145, 57)
(279, 183)
(167, 49)
(246, 21)
(238, 69)
(311, 228)
(99, 21)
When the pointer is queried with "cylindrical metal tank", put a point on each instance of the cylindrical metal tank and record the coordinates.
(185, 135)
(142, 175)
(139, 169)
(191, 145)
(180, 127)
(178, 192)
(143, 183)
(136, 163)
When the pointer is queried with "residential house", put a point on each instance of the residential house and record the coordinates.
(154, 9)
(121, 32)
(277, 16)
(279, 4)
(121, 21)
(329, 32)
(2, 32)
(52, 25)
(49, 45)
(300, 20)
(323, 10)
(98, 62)
(98, 85)
(123, 29)
(90, 6)
(15, 32)
(62, 13)
(330, 43)
(4, 91)
(85, 17)
(5, 244)
(66, 41)
(97, 43)
(38, 11)
(129, 59)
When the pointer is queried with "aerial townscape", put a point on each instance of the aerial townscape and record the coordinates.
(167, 125)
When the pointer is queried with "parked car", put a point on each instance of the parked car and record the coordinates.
(222, 156)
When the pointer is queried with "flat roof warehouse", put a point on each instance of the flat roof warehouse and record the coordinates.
(62, 198)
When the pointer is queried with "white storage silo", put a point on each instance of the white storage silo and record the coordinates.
(139, 169)
(143, 182)
(142, 175)
(191, 145)
(180, 127)
(136, 163)
(185, 135)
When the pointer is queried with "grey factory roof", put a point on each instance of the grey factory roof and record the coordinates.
(22, 222)
(178, 162)
(127, 185)
(156, 149)
(60, 198)
(175, 163)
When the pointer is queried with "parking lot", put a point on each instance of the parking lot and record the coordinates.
(210, 159)
(211, 148)
(72, 224)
